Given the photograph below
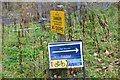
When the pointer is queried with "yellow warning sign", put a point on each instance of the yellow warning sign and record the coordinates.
(58, 64)
(57, 21)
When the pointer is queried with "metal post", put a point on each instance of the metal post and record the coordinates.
(84, 73)
(83, 68)
(39, 4)
(50, 72)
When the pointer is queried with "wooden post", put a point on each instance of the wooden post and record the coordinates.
(34, 58)
(15, 23)
(60, 37)
(2, 33)
(20, 55)
(1, 58)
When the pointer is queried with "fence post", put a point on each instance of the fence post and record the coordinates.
(20, 55)
(78, 9)
(2, 32)
(2, 21)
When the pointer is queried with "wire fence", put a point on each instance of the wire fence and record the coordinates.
(25, 51)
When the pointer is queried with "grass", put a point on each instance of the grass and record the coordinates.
(34, 49)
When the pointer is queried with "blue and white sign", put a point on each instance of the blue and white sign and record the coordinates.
(69, 51)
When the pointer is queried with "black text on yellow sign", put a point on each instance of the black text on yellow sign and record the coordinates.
(57, 19)
(58, 64)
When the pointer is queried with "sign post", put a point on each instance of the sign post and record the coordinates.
(57, 19)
